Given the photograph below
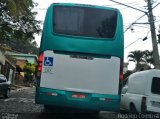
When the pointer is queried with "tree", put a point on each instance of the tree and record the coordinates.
(29, 71)
(138, 57)
(126, 75)
(17, 22)
(148, 56)
(16, 7)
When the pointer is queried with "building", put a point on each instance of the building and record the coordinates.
(21, 60)
(7, 68)
(31, 58)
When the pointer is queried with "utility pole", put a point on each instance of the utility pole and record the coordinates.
(152, 28)
(153, 35)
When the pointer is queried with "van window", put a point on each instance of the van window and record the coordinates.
(155, 85)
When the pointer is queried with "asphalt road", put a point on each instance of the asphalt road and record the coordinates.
(21, 105)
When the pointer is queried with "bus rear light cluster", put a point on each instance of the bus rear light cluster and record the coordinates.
(51, 94)
(40, 61)
(105, 99)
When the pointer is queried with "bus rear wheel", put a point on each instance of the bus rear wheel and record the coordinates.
(48, 108)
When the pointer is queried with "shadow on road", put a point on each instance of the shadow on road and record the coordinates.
(68, 116)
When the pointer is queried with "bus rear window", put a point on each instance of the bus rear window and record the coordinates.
(155, 85)
(84, 21)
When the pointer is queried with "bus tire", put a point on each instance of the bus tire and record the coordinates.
(47, 108)
(132, 109)
(95, 113)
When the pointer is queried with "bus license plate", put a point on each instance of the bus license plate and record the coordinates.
(81, 96)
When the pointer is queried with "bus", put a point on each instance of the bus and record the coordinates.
(80, 63)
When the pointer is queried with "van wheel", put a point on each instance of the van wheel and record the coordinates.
(47, 107)
(133, 111)
(7, 94)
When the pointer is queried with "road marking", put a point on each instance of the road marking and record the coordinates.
(23, 100)
(9, 99)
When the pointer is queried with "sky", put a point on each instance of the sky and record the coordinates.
(136, 32)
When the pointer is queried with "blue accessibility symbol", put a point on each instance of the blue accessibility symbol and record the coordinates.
(48, 61)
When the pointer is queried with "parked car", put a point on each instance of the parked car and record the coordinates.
(141, 94)
(5, 86)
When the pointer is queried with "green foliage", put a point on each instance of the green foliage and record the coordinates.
(136, 56)
(127, 74)
(149, 57)
(30, 68)
(142, 59)
(17, 23)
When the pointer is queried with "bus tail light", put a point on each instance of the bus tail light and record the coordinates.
(39, 68)
(51, 94)
(121, 71)
(40, 60)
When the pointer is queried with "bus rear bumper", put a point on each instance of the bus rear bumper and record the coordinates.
(62, 98)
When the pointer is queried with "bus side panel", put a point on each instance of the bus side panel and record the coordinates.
(100, 75)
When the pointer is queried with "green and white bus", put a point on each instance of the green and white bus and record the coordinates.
(81, 56)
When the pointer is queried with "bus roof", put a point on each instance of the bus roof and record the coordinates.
(85, 5)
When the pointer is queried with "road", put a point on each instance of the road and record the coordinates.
(21, 105)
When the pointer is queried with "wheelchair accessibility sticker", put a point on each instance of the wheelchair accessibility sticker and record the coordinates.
(48, 61)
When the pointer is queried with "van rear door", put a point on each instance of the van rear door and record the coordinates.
(80, 73)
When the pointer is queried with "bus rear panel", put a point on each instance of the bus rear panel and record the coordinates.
(80, 61)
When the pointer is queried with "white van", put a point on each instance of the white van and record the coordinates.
(142, 92)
